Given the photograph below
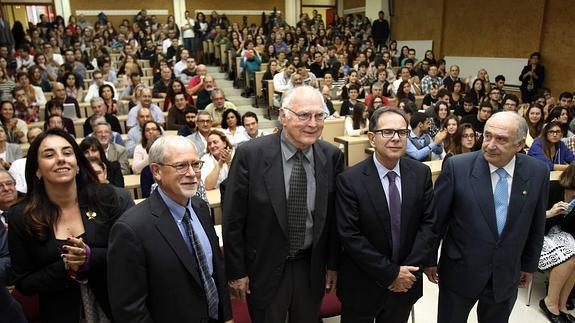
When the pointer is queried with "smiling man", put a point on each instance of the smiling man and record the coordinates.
(384, 213)
(281, 248)
(167, 245)
(490, 207)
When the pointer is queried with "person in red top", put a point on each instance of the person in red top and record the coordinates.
(377, 90)
(197, 82)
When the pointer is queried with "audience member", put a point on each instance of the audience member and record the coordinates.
(51, 238)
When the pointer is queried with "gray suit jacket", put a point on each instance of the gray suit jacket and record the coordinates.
(118, 153)
(472, 251)
(13, 152)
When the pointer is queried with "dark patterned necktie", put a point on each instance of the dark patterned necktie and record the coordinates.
(394, 204)
(297, 205)
(208, 281)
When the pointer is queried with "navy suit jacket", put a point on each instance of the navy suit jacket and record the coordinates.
(153, 275)
(364, 226)
(472, 251)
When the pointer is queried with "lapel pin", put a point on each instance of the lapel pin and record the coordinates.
(91, 215)
(524, 193)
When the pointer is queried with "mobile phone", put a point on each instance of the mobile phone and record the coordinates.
(570, 208)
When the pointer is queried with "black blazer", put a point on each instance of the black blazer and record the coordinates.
(466, 222)
(363, 221)
(153, 275)
(39, 269)
(255, 216)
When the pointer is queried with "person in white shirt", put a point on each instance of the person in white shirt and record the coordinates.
(146, 102)
(232, 127)
(217, 160)
(251, 124)
(18, 167)
(187, 27)
(282, 83)
(94, 87)
(181, 64)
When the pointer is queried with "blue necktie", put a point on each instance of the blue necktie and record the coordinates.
(208, 281)
(500, 197)
(394, 204)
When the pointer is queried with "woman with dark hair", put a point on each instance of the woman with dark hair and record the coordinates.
(549, 148)
(477, 92)
(233, 128)
(176, 86)
(201, 30)
(451, 124)
(464, 140)
(456, 96)
(561, 115)
(217, 159)
(73, 87)
(58, 234)
(534, 118)
(440, 113)
(352, 80)
(91, 147)
(358, 123)
(559, 248)
(403, 54)
(404, 92)
(113, 107)
(150, 129)
(35, 76)
(531, 77)
(16, 128)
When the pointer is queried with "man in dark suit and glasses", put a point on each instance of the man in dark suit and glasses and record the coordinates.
(384, 211)
(490, 208)
(164, 259)
(278, 215)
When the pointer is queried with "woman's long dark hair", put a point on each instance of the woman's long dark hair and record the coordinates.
(457, 147)
(545, 143)
(357, 115)
(555, 114)
(534, 129)
(42, 214)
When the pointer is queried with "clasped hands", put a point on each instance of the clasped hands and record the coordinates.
(404, 280)
(74, 254)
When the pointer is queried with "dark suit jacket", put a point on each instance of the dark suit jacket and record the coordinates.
(472, 252)
(363, 221)
(255, 216)
(39, 269)
(153, 275)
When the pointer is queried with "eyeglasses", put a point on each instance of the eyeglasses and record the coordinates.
(306, 116)
(390, 133)
(554, 132)
(182, 168)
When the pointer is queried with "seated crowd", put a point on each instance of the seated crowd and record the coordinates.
(152, 77)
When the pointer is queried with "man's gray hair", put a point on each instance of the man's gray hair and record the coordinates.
(203, 113)
(309, 91)
(9, 174)
(217, 91)
(100, 121)
(521, 131)
(96, 99)
(157, 152)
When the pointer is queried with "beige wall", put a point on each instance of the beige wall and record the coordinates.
(494, 28)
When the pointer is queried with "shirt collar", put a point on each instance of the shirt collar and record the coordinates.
(382, 170)
(176, 210)
(509, 168)
(289, 150)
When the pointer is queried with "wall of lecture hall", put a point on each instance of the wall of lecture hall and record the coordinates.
(494, 28)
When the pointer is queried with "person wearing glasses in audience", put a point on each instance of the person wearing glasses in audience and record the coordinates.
(281, 246)
(550, 149)
(420, 145)
(200, 136)
(384, 214)
(8, 194)
(167, 245)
